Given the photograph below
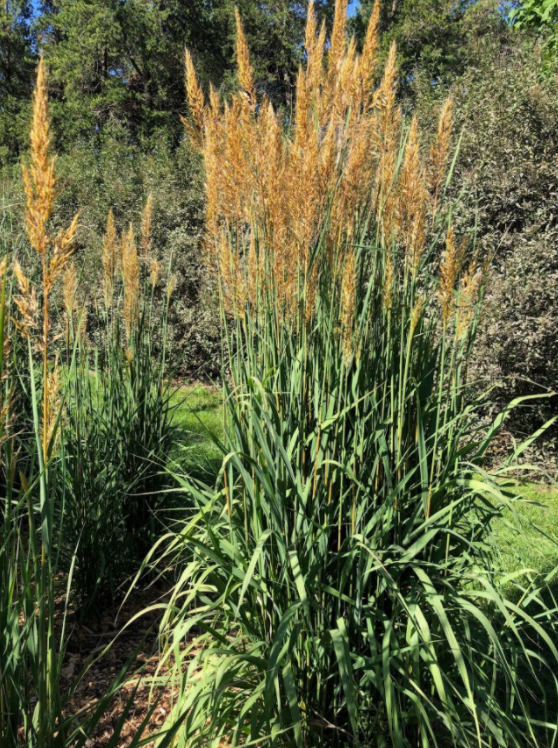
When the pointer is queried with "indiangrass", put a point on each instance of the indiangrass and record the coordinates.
(336, 585)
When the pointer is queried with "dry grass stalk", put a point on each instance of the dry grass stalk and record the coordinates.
(439, 152)
(146, 228)
(131, 279)
(55, 250)
(110, 255)
(348, 297)
(339, 154)
(53, 400)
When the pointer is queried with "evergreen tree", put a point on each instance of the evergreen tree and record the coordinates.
(430, 36)
(119, 64)
(16, 75)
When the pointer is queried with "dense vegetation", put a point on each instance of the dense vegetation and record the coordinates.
(117, 96)
(347, 221)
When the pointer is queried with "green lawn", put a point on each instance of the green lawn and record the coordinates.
(520, 544)
(529, 540)
(199, 416)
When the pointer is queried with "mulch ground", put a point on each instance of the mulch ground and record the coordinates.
(86, 642)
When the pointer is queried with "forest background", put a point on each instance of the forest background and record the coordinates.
(117, 100)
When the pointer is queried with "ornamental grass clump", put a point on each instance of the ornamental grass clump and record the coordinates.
(336, 583)
(33, 591)
(118, 430)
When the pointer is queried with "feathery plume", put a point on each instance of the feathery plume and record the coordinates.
(146, 227)
(243, 61)
(439, 151)
(278, 187)
(412, 199)
(388, 283)
(40, 187)
(154, 272)
(171, 288)
(348, 299)
(418, 311)
(52, 399)
(69, 289)
(196, 100)
(39, 177)
(338, 36)
(450, 267)
(26, 302)
(131, 279)
(370, 48)
(471, 284)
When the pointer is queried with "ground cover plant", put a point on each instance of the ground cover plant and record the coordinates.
(340, 570)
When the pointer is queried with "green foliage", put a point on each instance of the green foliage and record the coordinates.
(540, 16)
(120, 65)
(431, 38)
(508, 166)
(116, 443)
(16, 76)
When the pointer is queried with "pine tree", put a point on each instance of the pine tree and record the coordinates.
(16, 76)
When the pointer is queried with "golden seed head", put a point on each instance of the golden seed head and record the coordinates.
(450, 268)
(469, 295)
(25, 301)
(348, 301)
(338, 39)
(245, 77)
(70, 288)
(440, 149)
(195, 100)
(173, 282)
(285, 183)
(154, 271)
(131, 279)
(388, 283)
(418, 310)
(39, 177)
(370, 48)
(53, 400)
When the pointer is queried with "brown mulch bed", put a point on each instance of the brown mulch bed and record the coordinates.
(87, 640)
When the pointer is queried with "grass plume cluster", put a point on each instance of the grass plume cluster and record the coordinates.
(338, 157)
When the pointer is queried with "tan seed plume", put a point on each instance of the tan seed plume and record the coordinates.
(338, 156)
(131, 279)
(55, 250)
(147, 227)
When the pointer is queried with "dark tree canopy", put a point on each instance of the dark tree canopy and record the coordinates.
(16, 75)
